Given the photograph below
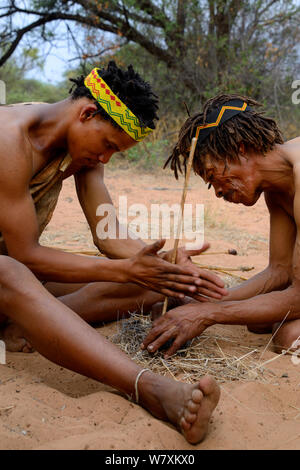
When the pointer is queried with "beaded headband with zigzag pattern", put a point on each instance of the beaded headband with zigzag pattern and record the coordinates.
(114, 107)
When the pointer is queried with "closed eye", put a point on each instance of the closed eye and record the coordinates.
(112, 146)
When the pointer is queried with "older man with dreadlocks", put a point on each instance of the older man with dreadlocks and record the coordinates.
(241, 153)
(109, 110)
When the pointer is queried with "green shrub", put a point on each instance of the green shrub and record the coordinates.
(149, 155)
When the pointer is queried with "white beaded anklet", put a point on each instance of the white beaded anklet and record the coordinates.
(136, 384)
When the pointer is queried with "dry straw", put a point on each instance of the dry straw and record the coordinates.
(221, 356)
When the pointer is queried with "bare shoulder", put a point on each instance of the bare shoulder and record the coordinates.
(296, 172)
(15, 161)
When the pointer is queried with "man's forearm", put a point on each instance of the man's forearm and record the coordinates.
(266, 281)
(53, 265)
(266, 308)
(120, 249)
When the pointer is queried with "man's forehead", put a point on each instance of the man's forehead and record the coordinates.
(209, 163)
(217, 167)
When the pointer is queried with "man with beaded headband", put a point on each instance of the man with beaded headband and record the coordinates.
(241, 153)
(42, 144)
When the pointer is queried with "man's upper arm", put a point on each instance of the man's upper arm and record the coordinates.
(296, 255)
(91, 191)
(282, 235)
(18, 221)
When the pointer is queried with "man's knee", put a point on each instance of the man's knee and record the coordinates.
(10, 271)
(286, 336)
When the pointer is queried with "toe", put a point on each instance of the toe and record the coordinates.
(197, 396)
(28, 348)
(192, 406)
(185, 425)
(207, 384)
(190, 417)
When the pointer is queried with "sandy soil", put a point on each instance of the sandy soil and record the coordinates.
(43, 406)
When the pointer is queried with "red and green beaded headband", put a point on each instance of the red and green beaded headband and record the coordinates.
(114, 107)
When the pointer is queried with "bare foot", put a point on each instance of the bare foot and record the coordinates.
(188, 407)
(13, 337)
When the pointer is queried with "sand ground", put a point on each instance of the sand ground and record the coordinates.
(43, 406)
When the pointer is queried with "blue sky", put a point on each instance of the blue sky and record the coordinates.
(57, 61)
(54, 67)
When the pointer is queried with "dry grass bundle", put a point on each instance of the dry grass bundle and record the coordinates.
(220, 356)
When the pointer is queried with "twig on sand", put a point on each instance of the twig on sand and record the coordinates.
(212, 268)
(6, 408)
(231, 251)
(217, 268)
(269, 342)
(221, 270)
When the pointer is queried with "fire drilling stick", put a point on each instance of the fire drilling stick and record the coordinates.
(183, 198)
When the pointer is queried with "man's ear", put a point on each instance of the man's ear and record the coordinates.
(87, 111)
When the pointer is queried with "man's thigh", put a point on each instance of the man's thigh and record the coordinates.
(99, 289)
(59, 289)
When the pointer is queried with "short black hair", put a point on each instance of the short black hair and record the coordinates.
(257, 132)
(132, 90)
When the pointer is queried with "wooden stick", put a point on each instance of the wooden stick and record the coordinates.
(228, 252)
(183, 198)
(216, 268)
(220, 270)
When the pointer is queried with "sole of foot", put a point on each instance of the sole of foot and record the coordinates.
(13, 337)
(197, 412)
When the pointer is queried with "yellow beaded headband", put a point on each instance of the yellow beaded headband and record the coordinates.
(114, 107)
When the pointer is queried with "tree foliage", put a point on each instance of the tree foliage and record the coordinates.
(189, 49)
(20, 89)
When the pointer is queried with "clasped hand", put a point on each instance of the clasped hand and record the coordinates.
(157, 273)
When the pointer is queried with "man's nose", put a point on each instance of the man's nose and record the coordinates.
(218, 191)
(105, 157)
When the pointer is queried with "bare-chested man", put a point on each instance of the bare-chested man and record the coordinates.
(241, 154)
(110, 110)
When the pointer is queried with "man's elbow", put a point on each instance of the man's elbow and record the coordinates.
(280, 276)
(27, 256)
(99, 244)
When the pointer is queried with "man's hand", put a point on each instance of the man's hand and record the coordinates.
(211, 285)
(149, 270)
(180, 324)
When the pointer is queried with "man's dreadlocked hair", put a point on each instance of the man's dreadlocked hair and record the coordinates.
(258, 134)
(129, 87)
